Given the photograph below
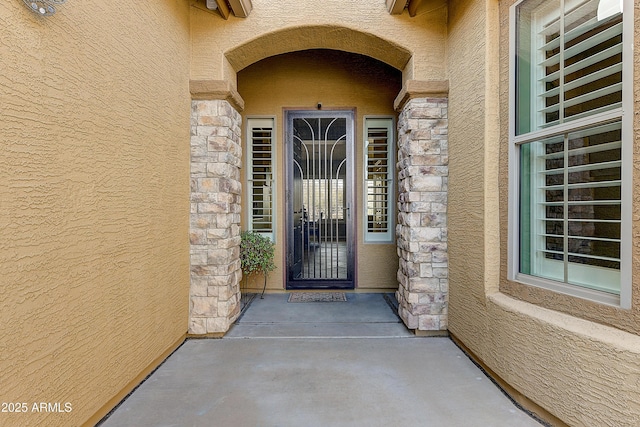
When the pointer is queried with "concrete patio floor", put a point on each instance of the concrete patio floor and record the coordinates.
(319, 364)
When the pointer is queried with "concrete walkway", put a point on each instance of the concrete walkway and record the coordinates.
(319, 364)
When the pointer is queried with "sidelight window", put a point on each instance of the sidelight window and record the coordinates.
(379, 179)
(260, 167)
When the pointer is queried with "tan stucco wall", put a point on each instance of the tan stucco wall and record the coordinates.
(337, 80)
(333, 24)
(94, 196)
(576, 359)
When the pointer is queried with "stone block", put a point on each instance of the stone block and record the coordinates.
(230, 186)
(429, 322)
(439, 207)
(213, 291)
(217, 325)
(410, 269)
(418, 207)
(434, 197)
(197, 325)
(217, 121)
(198, 257)
(220, 281)
(200, 197)
(203, 221)
(226, 308)
(205, 108)
(430, 247)
(213, 207)
(435, 170)
(437, 308)
(426, 234)
(226, 293)
(440, 272)
(198, 146)
(216, 234)
(424, 284)
(225, 220)
(428, 183)
(424, 300)
(225, 109)
(209, 270)
(199, 286)
(204, 306)
(411, 298)
(421, 309)
(440, 257)
(198, 237)
(230, 243)
(198, 169)
(219, 257)
(427, 160)
(206, 131)
(411, 321)
(216, 142)
(208, 185)
(426, 270)
(221, 170)
(419, 257)
(438, 220)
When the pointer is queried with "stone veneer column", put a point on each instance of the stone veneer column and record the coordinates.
(422, 214)
(215, 217)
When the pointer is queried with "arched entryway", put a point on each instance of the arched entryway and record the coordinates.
(272, 81)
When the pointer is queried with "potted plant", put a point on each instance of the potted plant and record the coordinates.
(256, 255)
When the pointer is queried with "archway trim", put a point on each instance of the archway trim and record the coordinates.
(318, 37)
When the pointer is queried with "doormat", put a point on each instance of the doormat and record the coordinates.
(317, 297)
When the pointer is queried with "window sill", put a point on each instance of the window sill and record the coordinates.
(570, 290)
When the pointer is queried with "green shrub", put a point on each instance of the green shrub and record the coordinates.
(256, 255)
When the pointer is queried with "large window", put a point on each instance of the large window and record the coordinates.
(379, 173)
(260, 167)
(570, 150)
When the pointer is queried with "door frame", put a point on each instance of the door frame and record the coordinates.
(350, 193)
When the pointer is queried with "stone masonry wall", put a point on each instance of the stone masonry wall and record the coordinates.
(422, 214)
(215, 217)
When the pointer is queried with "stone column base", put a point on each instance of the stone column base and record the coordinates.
(215, 217)
(423, 285)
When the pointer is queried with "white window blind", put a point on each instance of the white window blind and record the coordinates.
(572, 215)
(379, 179)
(260, 178)
(570, 63)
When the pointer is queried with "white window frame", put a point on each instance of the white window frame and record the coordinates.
(389, 123)
(251, 123)
(624, 113)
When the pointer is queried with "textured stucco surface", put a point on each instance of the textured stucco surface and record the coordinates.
(576, 359)
(337, 80)
(94, 193)
(467, 299)
(94, 200)
(330, 24)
